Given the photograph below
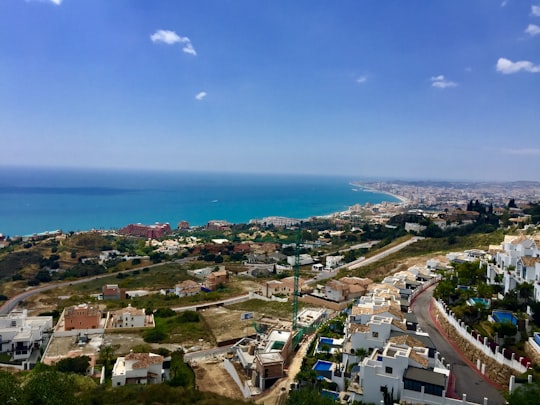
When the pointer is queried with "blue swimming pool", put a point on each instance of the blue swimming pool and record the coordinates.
(504, 316)
(475, 300)
(322, 365)
(326, 341)
(330, 394)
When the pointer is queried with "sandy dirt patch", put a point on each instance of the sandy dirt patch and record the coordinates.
(225, 324)
(211, 376)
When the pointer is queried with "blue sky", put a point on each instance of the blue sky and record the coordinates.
(446, 89)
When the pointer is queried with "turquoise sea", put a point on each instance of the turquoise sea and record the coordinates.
(34, 200)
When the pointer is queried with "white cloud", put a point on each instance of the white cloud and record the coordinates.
(201, 95)
(533, 30)
(171, 38)
(441, 83)
(535, 10)
(166, 36)
(361, 79)
(523, 151)
(188, 48)
(507, 67)
(55, 2)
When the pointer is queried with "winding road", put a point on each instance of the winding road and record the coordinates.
(468, 380)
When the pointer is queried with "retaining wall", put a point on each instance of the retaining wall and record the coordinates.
(490, 360)
(246, 392)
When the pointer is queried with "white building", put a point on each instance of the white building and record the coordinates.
(129, 317)
(20, 333)
(305, 259)
(396, 369)
(138, 368)
(333, 262)
(517, 261)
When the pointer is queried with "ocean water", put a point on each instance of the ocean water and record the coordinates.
(34, 200)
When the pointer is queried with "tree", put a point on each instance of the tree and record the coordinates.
(106, 356)
(535, 308)
(526, 394)
(525, 291)
(484, 290)
(505, 328)
(155, 335)
(49, 387)
(77, 365)
(10, 391)
(181, 375)
(308, 396)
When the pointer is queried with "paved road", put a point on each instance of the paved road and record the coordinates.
(362, 261)
(468, 380)
(227, 301)
(202, 354)
(8, 306)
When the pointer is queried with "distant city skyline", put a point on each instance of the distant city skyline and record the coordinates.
(445, 90)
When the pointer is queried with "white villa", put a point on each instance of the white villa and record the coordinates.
(20, 333)
(517, 260)
(130, 317)
(138, 368)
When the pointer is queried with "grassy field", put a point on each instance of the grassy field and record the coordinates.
(178, 330)
(281, 310)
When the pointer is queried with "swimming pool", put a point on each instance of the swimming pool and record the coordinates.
(326, 341)
(322, 365)
(504, 316)
(330, 394)
(475, 300)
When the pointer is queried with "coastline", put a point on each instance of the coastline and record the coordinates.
(402, 200)
(38, 202)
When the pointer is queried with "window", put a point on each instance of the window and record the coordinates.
(388, 370)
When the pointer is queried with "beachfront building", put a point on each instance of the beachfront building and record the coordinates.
(20, 333)
(155, 231)
(138, 368)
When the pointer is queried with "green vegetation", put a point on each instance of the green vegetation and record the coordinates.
(46, 386)
(181, 375)
(77, 365)
(526, 394)
(187, 326)
(12, 263)
(308, 396)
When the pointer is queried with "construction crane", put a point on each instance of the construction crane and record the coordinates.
(296, 277)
